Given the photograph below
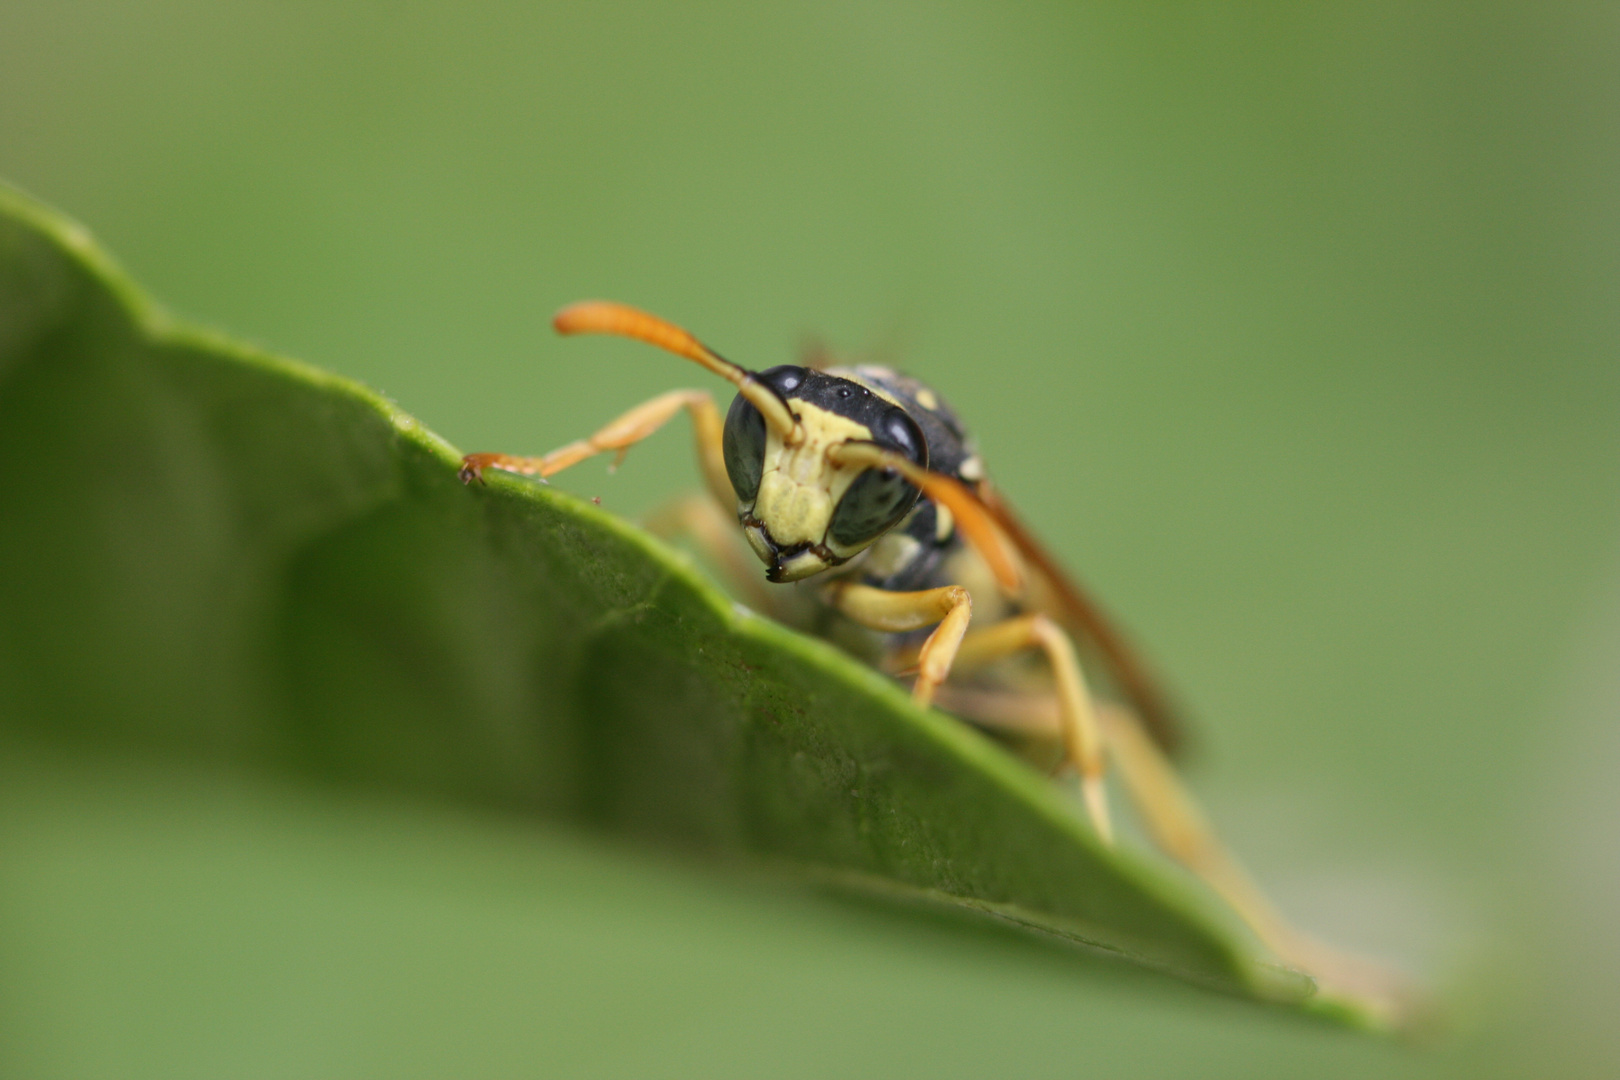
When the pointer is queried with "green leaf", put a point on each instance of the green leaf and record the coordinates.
(212, 554)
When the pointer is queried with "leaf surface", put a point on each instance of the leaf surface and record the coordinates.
(212, 554)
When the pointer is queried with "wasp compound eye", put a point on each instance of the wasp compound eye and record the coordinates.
(873, 504)
(743, 443)
(743, 447)
(880, 497)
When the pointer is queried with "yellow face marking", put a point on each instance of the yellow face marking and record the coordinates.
(799, 487)
(943, 522)
(971, 470)
(927, 400)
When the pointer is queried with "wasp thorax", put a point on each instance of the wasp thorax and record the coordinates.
(801, 510)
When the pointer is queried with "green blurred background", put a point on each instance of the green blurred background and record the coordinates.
(1293, 329)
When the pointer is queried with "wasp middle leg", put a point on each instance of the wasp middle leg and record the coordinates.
(1078, 727)
(950, 644)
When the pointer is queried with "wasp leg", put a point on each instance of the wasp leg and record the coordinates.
(951, 607)
(1078, 727)
(1180, 829)
(897, 612)
(1025, 714)
(714, 532)
(1178, 826)
(622, 434)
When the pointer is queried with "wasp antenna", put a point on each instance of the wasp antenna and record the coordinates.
(606, 317)
(972, 516)
(622, 320)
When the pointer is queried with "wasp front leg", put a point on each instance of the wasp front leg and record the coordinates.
(950, 607)
(622, 434)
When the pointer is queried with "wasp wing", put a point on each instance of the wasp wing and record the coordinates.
(1009, 549)
(1065, 601)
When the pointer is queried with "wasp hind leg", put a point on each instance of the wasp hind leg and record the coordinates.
(621, 434)
(1179, 828)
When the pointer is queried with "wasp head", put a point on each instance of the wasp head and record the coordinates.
(804, 507)
(803, 510)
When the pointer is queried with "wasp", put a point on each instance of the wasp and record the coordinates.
(866, 479)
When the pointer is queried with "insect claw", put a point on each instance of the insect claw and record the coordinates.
(470, 470)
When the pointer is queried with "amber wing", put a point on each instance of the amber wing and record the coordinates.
(1083, 618)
